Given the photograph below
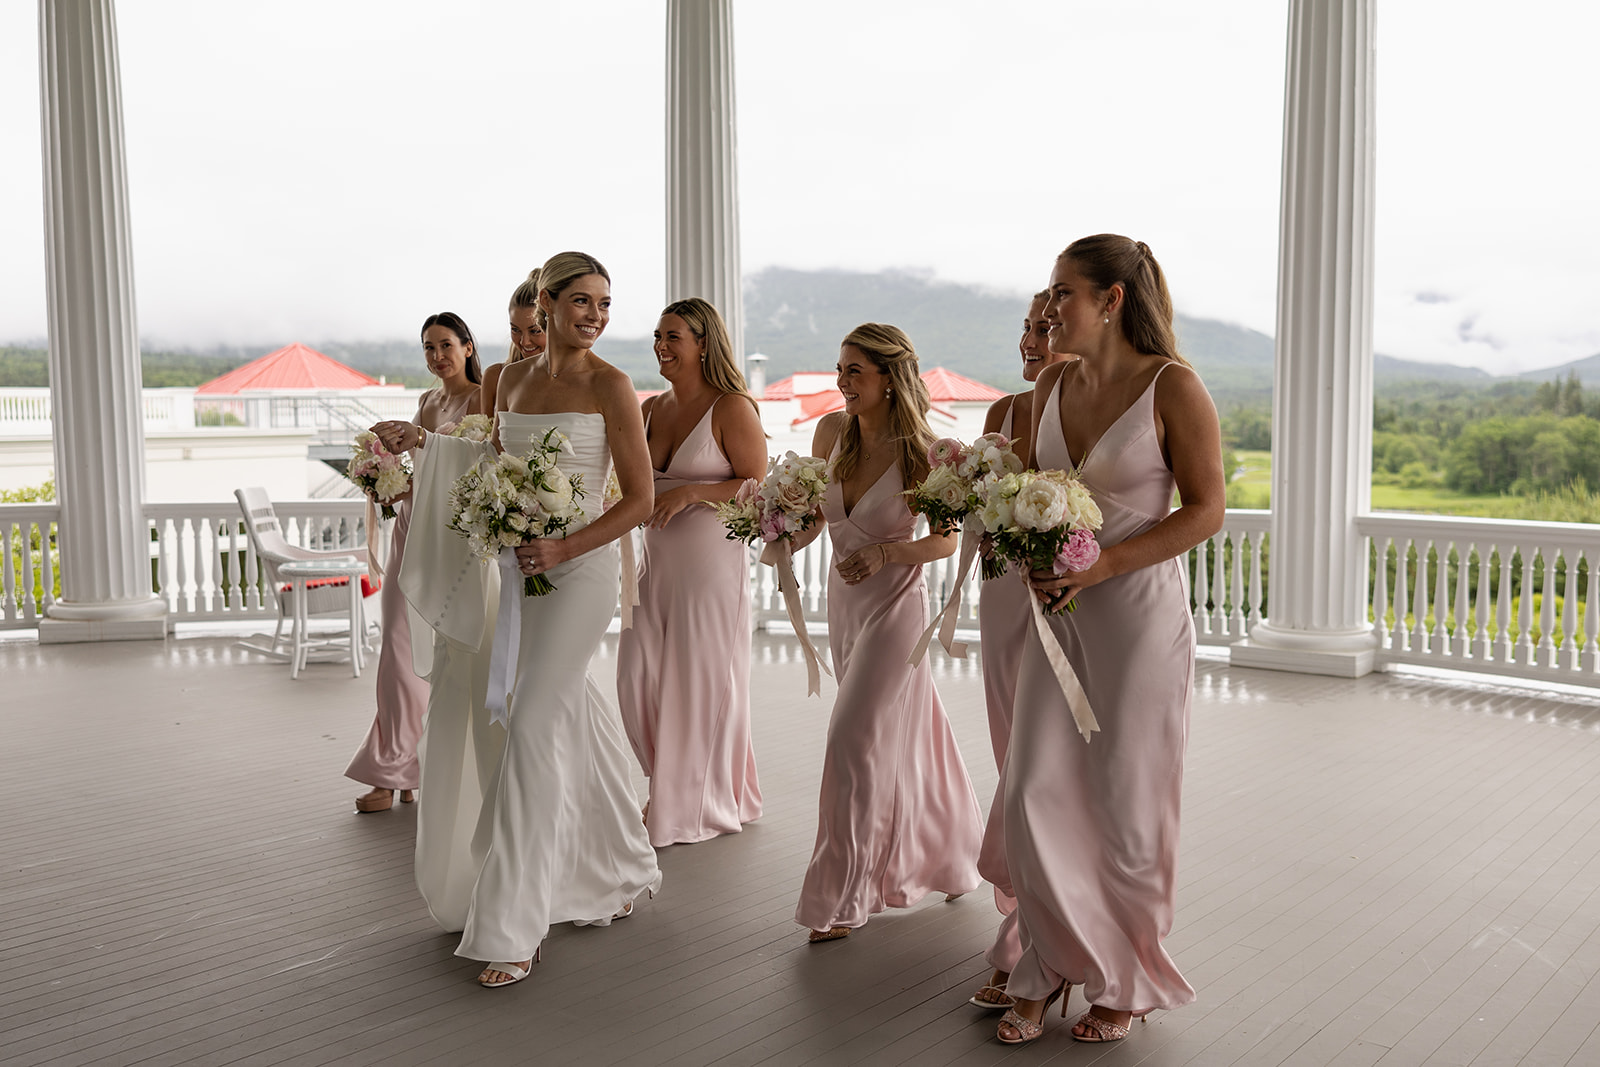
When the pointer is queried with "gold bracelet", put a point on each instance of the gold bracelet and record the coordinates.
(422, 435)
(883, 551)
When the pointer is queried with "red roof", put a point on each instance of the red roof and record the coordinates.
(944, 386)
(292, 367)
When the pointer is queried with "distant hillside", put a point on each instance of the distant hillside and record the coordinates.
(797, 318)
(1588, 371)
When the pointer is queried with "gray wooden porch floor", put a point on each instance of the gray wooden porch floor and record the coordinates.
(1386, 871)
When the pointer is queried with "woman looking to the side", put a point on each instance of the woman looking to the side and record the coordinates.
(527, 336)
(897, 817)
(1091, 829)
(683, 667)
(1004, 622)
(387, 759)
(563, 838)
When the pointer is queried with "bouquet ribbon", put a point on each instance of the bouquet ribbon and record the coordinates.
(374, 568)
(945, 620)
(630, 580)
(790, 588)
(507, 638)
(1066, 677)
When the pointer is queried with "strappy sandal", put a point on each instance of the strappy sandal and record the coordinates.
(513, 972)
(1027, 1030)
(1102, 1030)
(992, 998)
(836, 933)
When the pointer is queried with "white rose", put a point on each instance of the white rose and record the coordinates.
(556, 495)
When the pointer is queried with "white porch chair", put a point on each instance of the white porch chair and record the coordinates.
(327, 598)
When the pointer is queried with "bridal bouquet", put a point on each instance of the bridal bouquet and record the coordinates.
(1041, 520)
(781, 505)
(378, 471)
(950, 491)
(509, 500)
(773, 510)
(470, 428)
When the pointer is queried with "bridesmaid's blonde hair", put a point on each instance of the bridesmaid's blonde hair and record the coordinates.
(525, 295)
(891, 352)
(721, 370)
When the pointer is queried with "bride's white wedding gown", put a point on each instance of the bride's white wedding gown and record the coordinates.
(559, 833)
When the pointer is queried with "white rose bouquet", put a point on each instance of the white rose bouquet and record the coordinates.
(781, 505)
(509, 500)
(949, 493)
(1040, 520)
(379, 472)
(470, 428)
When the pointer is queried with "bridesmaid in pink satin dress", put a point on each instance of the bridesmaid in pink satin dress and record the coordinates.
(1091, 828)
(1004, 622)
(387, 759)
(897, 815)
(683, 667)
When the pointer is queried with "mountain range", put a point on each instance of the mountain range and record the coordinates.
(797, 317)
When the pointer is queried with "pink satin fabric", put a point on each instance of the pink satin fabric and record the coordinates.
(683, 668)
(1091, 829)
(1005, 624)
(897, 817)
(387, 759)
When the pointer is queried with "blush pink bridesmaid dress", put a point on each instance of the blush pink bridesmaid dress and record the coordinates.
(387, 759)
(683, 667)
(897, 816)
(1091, 829)
(1004, 622)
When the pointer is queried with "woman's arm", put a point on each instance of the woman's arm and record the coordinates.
(996, 417)
(738, 431)
(1193, 446)
(487, 389)
(631, 457)
(829, 428)
(1041, 392)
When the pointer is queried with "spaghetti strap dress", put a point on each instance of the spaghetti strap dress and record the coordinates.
(1091, 829)
(683, 667)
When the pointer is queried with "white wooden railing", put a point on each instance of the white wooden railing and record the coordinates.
(1494, 596)
(1489, 596)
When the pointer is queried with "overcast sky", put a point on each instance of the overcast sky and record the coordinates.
(337, 169)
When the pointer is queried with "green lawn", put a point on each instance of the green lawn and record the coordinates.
(1251, 487)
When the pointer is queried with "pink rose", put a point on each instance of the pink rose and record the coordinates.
(748, 491)
(943, 452)
(1078, 552)
(772, 525)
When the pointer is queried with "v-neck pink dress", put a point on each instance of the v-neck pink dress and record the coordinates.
(897, 817)
(683, 667)
(1091, 829)
(387, 758)
(1004, 622)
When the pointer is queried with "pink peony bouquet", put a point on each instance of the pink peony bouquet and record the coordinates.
(950, 491)
(1041, 520)
(379, 472)
(508, 500)
(781, 505)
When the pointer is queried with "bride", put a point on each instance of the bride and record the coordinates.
(564, 842)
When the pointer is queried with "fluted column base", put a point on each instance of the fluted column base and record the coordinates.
(128, 620)
(1338, 653)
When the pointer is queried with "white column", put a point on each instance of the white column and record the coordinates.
(1322, 383)
(94, 350)
(702, 172)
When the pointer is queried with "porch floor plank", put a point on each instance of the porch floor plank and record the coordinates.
(1394, 870)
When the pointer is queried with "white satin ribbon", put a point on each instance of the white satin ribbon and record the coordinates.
(507, 638)
(630, 580)
(374, 568)
(1066, 677)
(783, 562)
(950, 614)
